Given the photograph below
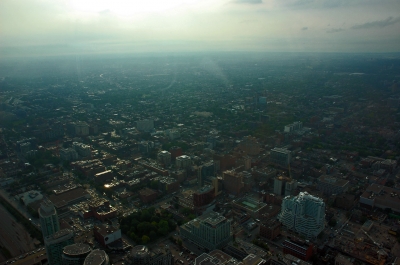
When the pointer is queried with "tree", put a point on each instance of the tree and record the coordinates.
(179, 242)
(145, 216)
(153, 235)
(145, 239)
(332, 222)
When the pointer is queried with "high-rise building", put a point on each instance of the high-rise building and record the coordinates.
(290, 187)
(279, 185)
(233, 181)
(97, 257)
(281, 156)
(205, 172)
(293, 127)
(81, 128)
(183, 161)
(55, 244)
(304, 214)
(68, 154)
(164, 157)
(209, 231)
(48, 218)
(75, 254)
(83, 150)
(145, 125)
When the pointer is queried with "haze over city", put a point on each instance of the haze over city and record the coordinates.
(57, 27)
(198, 132)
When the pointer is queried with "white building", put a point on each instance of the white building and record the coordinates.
(304, 214)
(293, 127)
(183, 161)
(145, 125)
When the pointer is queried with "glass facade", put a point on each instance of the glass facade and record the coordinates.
(304, 214)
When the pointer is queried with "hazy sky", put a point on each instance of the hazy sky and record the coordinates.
(38, 27)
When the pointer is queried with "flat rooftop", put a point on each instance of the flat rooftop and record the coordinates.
(333, 180)
(77, 249)
(249, 203)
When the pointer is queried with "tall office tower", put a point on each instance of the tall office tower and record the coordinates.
(281, 156)
(304, 214)
(48, 218)
(55, 244)
(209, 231)
(97, 257)
(75, 254)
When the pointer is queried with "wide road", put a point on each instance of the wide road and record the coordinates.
(17, 205)
(13, 235)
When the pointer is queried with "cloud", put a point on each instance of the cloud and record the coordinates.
(378, 23)
(335, 30)
(304, 28)
(248, 21)
(248, 1)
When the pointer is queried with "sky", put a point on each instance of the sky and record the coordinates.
(63, 27)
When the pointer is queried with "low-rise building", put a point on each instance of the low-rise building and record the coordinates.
(298, 248)
(382, 197)
(270, 229)
(106, 234)
(75, 254)
(251, 206)
(148, 195)
(203, 196)
(97, 257)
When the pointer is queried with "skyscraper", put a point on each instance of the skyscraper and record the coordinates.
(48, 218)
(55, 244)
(304, 214)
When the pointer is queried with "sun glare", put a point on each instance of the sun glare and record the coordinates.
(126, 7)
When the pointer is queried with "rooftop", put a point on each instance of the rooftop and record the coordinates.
(333, 180)
(97, 257)
(140, 251)
(77, 249)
